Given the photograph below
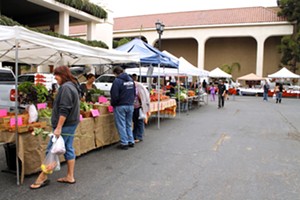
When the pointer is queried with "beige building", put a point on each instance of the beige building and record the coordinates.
(212, 38)
(58, 17)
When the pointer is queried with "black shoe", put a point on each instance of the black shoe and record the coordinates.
(123, 147)
(130, 144)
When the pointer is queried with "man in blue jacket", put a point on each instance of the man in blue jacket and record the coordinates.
(122, 95)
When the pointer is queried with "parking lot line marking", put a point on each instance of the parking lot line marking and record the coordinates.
(220, 141)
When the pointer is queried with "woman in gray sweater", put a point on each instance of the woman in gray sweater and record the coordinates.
(65, 118)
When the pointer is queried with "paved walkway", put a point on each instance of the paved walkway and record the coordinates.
(247, 150)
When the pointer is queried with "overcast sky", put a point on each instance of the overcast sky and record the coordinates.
(122, 8)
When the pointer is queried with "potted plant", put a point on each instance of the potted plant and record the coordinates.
(95, 94)
(29, 93)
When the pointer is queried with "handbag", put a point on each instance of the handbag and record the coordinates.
(141, 114)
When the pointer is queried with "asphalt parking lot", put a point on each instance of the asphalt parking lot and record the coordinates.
(247, 150)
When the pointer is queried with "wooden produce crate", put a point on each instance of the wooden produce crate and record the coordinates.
(103, 108)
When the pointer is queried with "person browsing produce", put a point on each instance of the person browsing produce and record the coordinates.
(64, 120)
(87, 87)
(122, 98)
(141, 104)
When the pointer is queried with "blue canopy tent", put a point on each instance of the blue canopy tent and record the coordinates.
(149, 56)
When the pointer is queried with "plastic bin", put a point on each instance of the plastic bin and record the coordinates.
(10, 154)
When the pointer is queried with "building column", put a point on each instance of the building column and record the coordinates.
(64, 23)
(260, 54)
(91, 31)
(201, 52)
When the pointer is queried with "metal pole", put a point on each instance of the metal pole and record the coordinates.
(158, 85)
(16, 110)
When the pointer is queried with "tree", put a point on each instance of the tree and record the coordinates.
(290, 45)
(229, 68)
(117, 43)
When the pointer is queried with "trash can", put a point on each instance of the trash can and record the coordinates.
(10, 154)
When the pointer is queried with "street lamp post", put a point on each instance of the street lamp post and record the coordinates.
(160, 29)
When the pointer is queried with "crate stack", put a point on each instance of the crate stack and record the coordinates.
(5, 123)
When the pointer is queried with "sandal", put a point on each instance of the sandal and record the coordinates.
(36, 185)
(138, 140)
(64, 180)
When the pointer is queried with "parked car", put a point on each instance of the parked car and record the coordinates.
(26, 78)
(104, 83)
(7, 86)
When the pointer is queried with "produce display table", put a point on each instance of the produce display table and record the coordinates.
(91, 133)
(166, 107)
(192, 102)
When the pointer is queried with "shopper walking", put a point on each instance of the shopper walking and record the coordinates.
(212, 90)
(221, 94)
(266, 90)
(122, 98)
(278, 91)
(204, 85)
(141, 104)
(64, 120)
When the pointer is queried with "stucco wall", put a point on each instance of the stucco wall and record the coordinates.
(186, 48)
(220, 51)
(271, 56)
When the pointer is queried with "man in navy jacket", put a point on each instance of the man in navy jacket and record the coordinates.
(122, 98)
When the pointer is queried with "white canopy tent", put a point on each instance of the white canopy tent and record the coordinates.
(143, 71)
(20, 45)
(283, 73)
(218, 73)
(38, 48)
(250, 77)
(186, 68)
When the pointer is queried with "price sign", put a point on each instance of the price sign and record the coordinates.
(3, 113)
(13, 121)
(102, 99)
(41, 106)
(95, 112)
(110, 109)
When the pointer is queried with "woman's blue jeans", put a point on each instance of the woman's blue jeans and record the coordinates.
(138, 125)
(67, 132)
(123, 119)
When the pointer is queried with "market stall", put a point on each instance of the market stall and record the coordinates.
(18, 44)
(284, 74)
(91, 133)
(150, 57)
(251, 85)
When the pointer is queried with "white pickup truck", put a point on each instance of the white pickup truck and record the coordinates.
(7, 86)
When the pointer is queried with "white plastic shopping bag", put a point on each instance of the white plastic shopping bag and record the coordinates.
(33, 113)
(51, 163)
(58, 146)
(141, 114)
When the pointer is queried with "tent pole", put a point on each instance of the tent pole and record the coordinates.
(158, 95)
(178, 91)
(16, 109)
(298, 89)
(140, 71)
